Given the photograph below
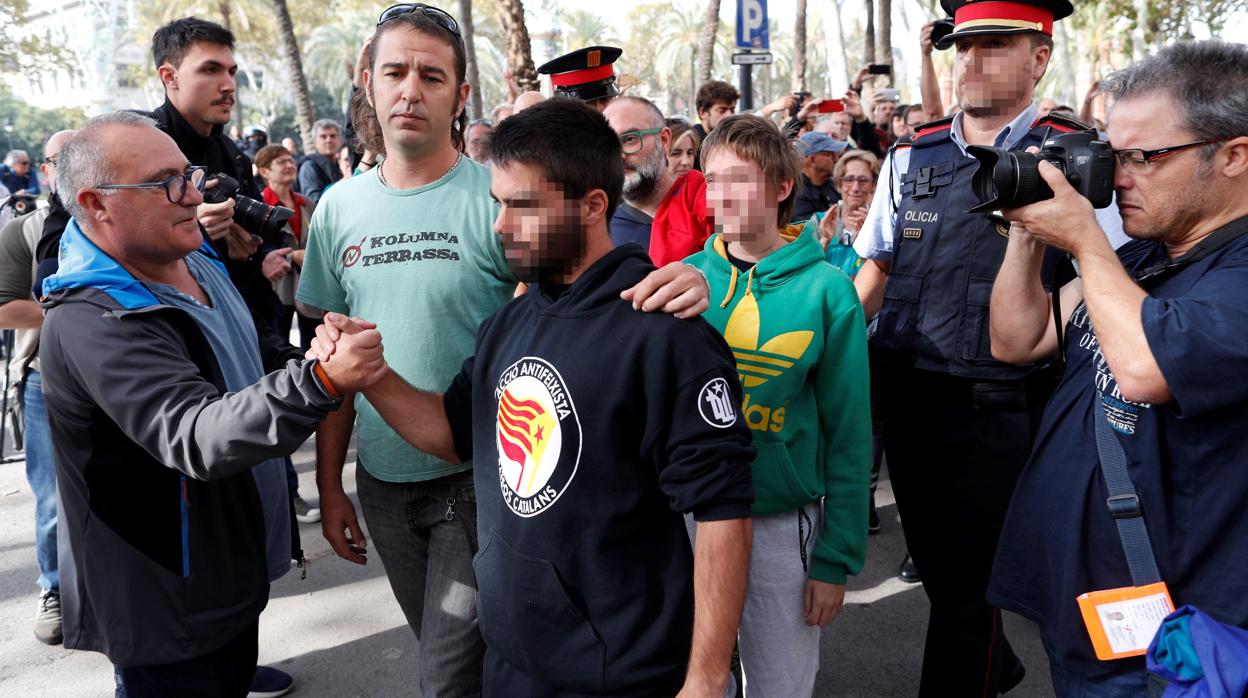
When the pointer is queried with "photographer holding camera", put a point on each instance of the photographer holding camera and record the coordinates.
(195, 61)
(957, 423)
(1155, 345)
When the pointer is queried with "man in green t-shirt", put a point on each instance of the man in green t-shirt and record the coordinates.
(410, 245)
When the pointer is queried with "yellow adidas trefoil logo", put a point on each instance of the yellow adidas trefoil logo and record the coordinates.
(755, 364)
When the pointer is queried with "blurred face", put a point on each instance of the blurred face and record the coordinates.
(743, 205)
(542, 230)
(478, 142)
(21, 164)
(857, 184)
(644, 169)
(202, 88)
(328, 142)
(1046, 105)
(914, 119)
(823, 163)
(837, 126)
(882, 112)
(680, 157)
(141, 226)
(281, 171)
(718, 111)
(1165, 199)
(412, 85)
(995, 74)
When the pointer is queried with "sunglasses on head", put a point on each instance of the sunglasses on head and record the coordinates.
(443, 19)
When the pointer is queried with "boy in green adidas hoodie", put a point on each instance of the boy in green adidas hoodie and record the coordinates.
(797, 331)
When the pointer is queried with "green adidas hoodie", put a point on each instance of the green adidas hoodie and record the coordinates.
(797, 332)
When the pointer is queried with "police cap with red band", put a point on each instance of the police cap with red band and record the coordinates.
(587, 74)
(977, 17)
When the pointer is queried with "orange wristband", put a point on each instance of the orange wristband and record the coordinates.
(319, 370)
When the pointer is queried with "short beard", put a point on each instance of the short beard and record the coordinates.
(642, 184)
(561, 252)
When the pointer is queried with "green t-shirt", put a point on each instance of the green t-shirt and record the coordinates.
(426, 266)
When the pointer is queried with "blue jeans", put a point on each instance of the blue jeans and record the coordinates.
(41, 474)
(426, 534)
(1131, 682)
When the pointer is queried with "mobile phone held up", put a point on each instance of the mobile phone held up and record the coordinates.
(829, 106)
(879, 69)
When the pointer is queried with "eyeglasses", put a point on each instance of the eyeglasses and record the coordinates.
(631, 141)
(175, 186)
(850, 180)
(1134, 160)
(443, 19)
(51, 160)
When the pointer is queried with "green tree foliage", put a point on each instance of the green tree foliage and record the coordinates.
(32, 126)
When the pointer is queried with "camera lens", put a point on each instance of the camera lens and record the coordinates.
(1006, 179)
(259, 218)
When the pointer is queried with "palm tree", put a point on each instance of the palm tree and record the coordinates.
(706, 46)
(676, 57)
(294, 70)
(581, 28)
(799, 48)
(884, 45)
(468, 29)
(519, 52)
(868, 49)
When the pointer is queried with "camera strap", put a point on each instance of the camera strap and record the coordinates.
(1212, 243)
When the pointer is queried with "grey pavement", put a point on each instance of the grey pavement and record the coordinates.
(341, 634)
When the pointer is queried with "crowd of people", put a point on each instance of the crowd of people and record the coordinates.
(640, 373)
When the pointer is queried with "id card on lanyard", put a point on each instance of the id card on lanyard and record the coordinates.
(1122, 622)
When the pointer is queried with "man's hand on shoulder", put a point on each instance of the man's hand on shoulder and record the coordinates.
(677, 289)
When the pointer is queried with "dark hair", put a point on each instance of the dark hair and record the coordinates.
(569, 142)
(1207, 79)
(364, 116)
(171, 42)
(714, 92)
(755, 139)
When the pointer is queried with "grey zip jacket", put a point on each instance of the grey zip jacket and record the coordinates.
(161, 534)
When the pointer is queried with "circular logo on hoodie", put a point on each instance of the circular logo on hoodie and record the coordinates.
(538, 435)
(715, 404)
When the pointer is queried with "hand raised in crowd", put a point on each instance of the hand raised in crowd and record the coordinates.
(809, 108)
(275, 266)
(784, 104)
(854, 218)
(863, 73)
(925, 38)
(853, 106)
(351, 352)
(1066, 221)
(216, 218)
(827, 226)
(823, 602)
(676, 289)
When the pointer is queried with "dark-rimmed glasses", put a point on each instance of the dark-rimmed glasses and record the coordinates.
(631, 141)
(443, 19)
(1138, 159)
(174, 186)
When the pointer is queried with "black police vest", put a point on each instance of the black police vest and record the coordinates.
(935, 311)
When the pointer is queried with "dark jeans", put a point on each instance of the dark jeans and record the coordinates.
(426, 535)
(223, 673)
(953, 467)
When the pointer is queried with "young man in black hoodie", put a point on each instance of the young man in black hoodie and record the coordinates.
(594, 428)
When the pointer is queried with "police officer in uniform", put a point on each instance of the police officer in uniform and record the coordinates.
(587, 74)
(958, 424)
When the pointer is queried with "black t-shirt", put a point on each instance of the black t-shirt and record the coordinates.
(1188, 459)
(594, 428)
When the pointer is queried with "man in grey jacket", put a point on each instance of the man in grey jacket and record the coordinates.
(168, 432)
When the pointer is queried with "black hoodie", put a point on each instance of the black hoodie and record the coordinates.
(595, 427)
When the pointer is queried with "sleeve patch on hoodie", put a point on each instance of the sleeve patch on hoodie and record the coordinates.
(715, 404)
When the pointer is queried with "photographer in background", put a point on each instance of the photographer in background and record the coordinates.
(957, 424)
(1156, 335)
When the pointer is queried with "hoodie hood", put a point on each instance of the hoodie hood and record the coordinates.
(600, 284)
(776, 269)
(84, 265)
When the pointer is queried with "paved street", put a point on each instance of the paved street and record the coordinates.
(341, 634)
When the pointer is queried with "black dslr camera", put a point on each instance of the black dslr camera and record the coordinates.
(256, 217)
(1009, 179)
